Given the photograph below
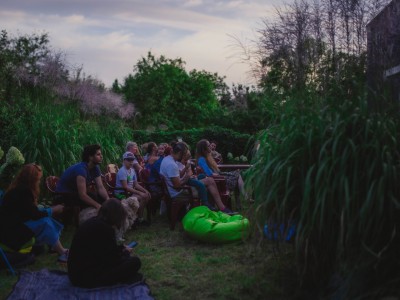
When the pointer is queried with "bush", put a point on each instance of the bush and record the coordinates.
(54, 136)
(228, 140)
(14, 161)
(336, 172)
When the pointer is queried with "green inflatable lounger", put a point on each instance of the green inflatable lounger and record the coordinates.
(215, 227)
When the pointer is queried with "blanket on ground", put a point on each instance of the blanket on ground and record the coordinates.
(50, 285)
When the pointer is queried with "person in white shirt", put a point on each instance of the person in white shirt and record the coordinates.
(176, 179)
(127, 179)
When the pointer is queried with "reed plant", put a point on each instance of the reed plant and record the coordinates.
(54, 135)
(335, 171)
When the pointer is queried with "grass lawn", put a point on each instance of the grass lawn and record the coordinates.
(177, 267)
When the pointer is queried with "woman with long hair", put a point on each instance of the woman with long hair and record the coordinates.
(205, 160)
(95, 258)
(21, 219)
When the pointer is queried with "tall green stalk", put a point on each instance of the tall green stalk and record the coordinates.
(336, 172)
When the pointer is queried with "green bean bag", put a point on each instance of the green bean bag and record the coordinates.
(215, 227)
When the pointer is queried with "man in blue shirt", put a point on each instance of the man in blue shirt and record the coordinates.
(76, 179)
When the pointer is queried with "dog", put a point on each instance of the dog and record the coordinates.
(131, 206)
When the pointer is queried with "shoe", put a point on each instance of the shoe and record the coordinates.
(210, 207)
(63, 258)
(229, 212)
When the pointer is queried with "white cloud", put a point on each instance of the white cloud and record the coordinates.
(109, 37)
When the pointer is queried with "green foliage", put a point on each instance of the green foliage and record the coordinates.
(21, 52)
(14, 160)
(228, 140)
(165, 94)
(54, 136)
(336, 172)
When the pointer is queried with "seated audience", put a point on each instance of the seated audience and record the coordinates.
(217, 156)
(21, 219)
(77, 178)
(234, 180)
(175, 180)
(155, 156)
(138, 163)
(199, 185)
(127, 179)
(95, 259)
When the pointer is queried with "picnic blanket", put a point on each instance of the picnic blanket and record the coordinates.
(50, 285)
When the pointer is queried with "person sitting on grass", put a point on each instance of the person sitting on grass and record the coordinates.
(175, 179)
(74, 182)
(21, 219)
(95, 259)
(126, 179)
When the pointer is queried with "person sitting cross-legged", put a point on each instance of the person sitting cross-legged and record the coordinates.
(95, 259)
(126, 179)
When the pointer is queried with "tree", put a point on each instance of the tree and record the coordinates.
(164, 93)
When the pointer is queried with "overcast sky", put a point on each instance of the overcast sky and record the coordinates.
(107, 37)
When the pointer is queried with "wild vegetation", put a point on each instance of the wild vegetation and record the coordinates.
(328, 159)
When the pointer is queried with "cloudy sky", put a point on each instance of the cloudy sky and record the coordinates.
(107, 37)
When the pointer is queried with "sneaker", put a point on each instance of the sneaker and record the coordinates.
(63, 258)
(229, 212)
(210, 207)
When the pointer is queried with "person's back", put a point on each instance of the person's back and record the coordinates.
(95, 259)
(93, 252)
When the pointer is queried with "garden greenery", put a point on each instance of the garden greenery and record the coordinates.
(335, 173)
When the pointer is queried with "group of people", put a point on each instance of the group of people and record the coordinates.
(95, 258)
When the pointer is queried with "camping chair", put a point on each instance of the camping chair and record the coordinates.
(25, 249)
(51, 184)
(173, 206)
(112, 168)
(155, 198)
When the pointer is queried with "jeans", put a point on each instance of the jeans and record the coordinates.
(201, 188)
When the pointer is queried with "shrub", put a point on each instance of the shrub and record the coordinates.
(14, 160)
(54, 136)
(228, 140)
(336, 172)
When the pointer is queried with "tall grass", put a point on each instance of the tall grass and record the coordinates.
(336, 172)
(54, 135)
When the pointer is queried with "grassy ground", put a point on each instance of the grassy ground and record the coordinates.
(177, 267)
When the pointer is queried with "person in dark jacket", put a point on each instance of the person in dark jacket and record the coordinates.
(21, 219)
(95, 259)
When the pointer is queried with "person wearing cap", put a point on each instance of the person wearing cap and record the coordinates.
(127, 179)
(74, 182)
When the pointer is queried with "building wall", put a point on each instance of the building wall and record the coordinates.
(383, 71)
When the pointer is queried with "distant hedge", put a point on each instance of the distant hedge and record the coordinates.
(227, 139)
